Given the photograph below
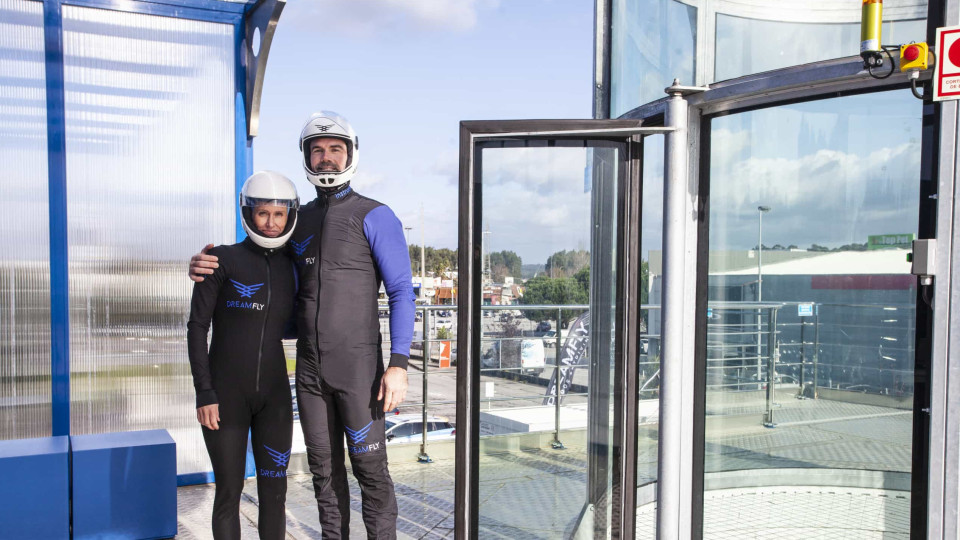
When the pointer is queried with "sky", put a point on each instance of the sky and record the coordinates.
(405, 74)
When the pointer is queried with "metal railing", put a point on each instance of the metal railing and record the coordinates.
(750, 347)
(493, 348)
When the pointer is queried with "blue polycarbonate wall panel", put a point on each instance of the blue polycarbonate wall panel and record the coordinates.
(24, 243)
(150, 163)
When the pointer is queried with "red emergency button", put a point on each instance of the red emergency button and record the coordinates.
(911, 53)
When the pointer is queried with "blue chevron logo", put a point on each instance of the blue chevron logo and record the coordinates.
(280, 458)
(358, 436)
(246, 291)
(300, 247)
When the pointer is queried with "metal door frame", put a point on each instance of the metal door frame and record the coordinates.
(680, 505)
(626, 335)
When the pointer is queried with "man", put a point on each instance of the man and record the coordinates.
(345, 245)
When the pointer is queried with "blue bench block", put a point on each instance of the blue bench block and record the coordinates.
(124, 485)
(35, 497)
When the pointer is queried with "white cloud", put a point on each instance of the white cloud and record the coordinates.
(534, 201)
(371, 17)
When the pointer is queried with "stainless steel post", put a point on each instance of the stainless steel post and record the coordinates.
(423, 457)
(675, 441)
(556, 444)
(772, 352)
(803, 350)
(816, 349)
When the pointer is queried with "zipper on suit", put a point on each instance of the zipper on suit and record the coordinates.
(316, 316)
(263, 329)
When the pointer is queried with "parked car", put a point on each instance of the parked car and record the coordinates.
(543, 326)
(550, 338)
(408, 428)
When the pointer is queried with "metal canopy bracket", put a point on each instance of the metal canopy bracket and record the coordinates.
(677, 89)
(263, 19)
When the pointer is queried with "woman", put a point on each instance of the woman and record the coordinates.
(241, 382)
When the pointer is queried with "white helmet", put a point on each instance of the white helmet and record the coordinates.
(329, 124)
(268, 187)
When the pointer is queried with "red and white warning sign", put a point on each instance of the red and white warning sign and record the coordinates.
(946, 75)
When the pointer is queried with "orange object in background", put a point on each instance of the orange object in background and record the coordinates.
(444, 354)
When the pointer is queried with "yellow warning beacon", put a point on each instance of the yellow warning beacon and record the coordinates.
(871, 19)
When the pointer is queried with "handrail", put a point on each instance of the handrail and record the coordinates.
(735, 346)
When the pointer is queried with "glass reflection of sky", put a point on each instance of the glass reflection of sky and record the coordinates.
(834, 171)
(746, 46)
(653, 43)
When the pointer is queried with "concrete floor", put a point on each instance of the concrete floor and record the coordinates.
(828, 470)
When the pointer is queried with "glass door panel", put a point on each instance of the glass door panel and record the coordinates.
(549, 278)
(810, 318)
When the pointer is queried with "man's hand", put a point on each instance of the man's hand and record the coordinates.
(202, 264)
(393, 388)
(209, 416)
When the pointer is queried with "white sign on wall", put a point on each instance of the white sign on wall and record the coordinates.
(946, 74)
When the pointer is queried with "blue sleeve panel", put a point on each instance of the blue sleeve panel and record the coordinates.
(389, 247)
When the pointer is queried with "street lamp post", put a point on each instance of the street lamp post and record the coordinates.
(762, 210)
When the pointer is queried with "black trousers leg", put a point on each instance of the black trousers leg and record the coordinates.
(323, 435)
(362, 416)
(272, 434)
(227, 448)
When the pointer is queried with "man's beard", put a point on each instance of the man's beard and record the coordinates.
(328, 167)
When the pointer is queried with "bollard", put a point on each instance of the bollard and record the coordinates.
(423, 457)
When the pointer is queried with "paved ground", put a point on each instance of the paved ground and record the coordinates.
(539, 493)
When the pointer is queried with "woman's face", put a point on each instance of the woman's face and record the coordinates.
(270, 219)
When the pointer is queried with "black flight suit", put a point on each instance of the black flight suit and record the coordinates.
(249, 299)
(345, 245)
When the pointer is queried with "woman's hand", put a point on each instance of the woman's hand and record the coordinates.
(209, 416)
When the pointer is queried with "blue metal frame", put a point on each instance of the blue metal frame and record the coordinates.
(244, 144)
(199, 10)
(57, 179)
